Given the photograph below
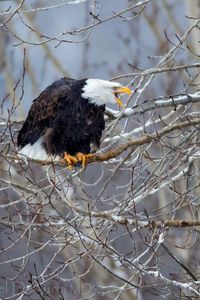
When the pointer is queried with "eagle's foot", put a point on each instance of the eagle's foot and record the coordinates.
(71, 160)
(83, 158)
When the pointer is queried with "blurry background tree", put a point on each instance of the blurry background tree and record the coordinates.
(127, 227)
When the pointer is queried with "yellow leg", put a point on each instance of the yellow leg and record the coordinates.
(71, 160)
(83, 158)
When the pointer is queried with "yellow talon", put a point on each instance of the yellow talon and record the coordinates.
(71, 160)
(83, 158)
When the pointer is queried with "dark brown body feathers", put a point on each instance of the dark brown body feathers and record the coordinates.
(67, 122)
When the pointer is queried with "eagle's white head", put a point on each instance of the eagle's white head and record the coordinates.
(101, 92)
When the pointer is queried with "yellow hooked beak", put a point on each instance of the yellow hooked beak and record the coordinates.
(121, 90)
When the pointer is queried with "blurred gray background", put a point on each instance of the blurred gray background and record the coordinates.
(43, 44)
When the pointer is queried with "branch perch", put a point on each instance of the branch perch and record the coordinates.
(147, 138)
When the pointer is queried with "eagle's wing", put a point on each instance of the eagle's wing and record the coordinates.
(43, 111)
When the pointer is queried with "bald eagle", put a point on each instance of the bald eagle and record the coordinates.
(67, 119)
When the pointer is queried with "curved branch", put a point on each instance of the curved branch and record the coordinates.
(157, 70)
(147, 138)
(12, 15)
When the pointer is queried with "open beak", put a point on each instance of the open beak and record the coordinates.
(121, 90)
